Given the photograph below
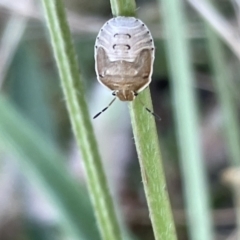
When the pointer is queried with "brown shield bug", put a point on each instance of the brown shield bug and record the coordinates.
(124, 56)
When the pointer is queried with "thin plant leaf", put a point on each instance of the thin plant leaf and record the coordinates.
(185, 110)
(228, 105)
(146, 139)
(73, 89)
(44, 165)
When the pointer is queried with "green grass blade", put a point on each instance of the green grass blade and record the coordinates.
(123, 7)
(192, 162)
(146, 139)
(9, 42)
(27, 79)
(44, 165)
(226, 98)
(74, 94)
(228, 105)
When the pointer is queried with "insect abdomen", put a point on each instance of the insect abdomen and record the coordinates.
(123, 38)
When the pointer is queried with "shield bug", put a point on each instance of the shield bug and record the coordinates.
(124, 56)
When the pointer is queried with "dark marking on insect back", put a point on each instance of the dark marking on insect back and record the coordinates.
(126, 34)
(128, 46)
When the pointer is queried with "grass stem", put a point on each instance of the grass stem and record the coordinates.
(72, 86)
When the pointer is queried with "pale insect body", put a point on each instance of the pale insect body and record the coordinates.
(124, 56)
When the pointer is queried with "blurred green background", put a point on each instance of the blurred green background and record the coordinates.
(42, 184)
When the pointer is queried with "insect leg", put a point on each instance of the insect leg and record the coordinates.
(153, 113)
(150, 111)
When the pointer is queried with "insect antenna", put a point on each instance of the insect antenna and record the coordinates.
(150, 111)
(104, 108)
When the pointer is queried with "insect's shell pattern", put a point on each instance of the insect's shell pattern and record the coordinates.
(124, 55)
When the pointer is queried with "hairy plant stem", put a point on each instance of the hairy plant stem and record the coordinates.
(74, 95)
